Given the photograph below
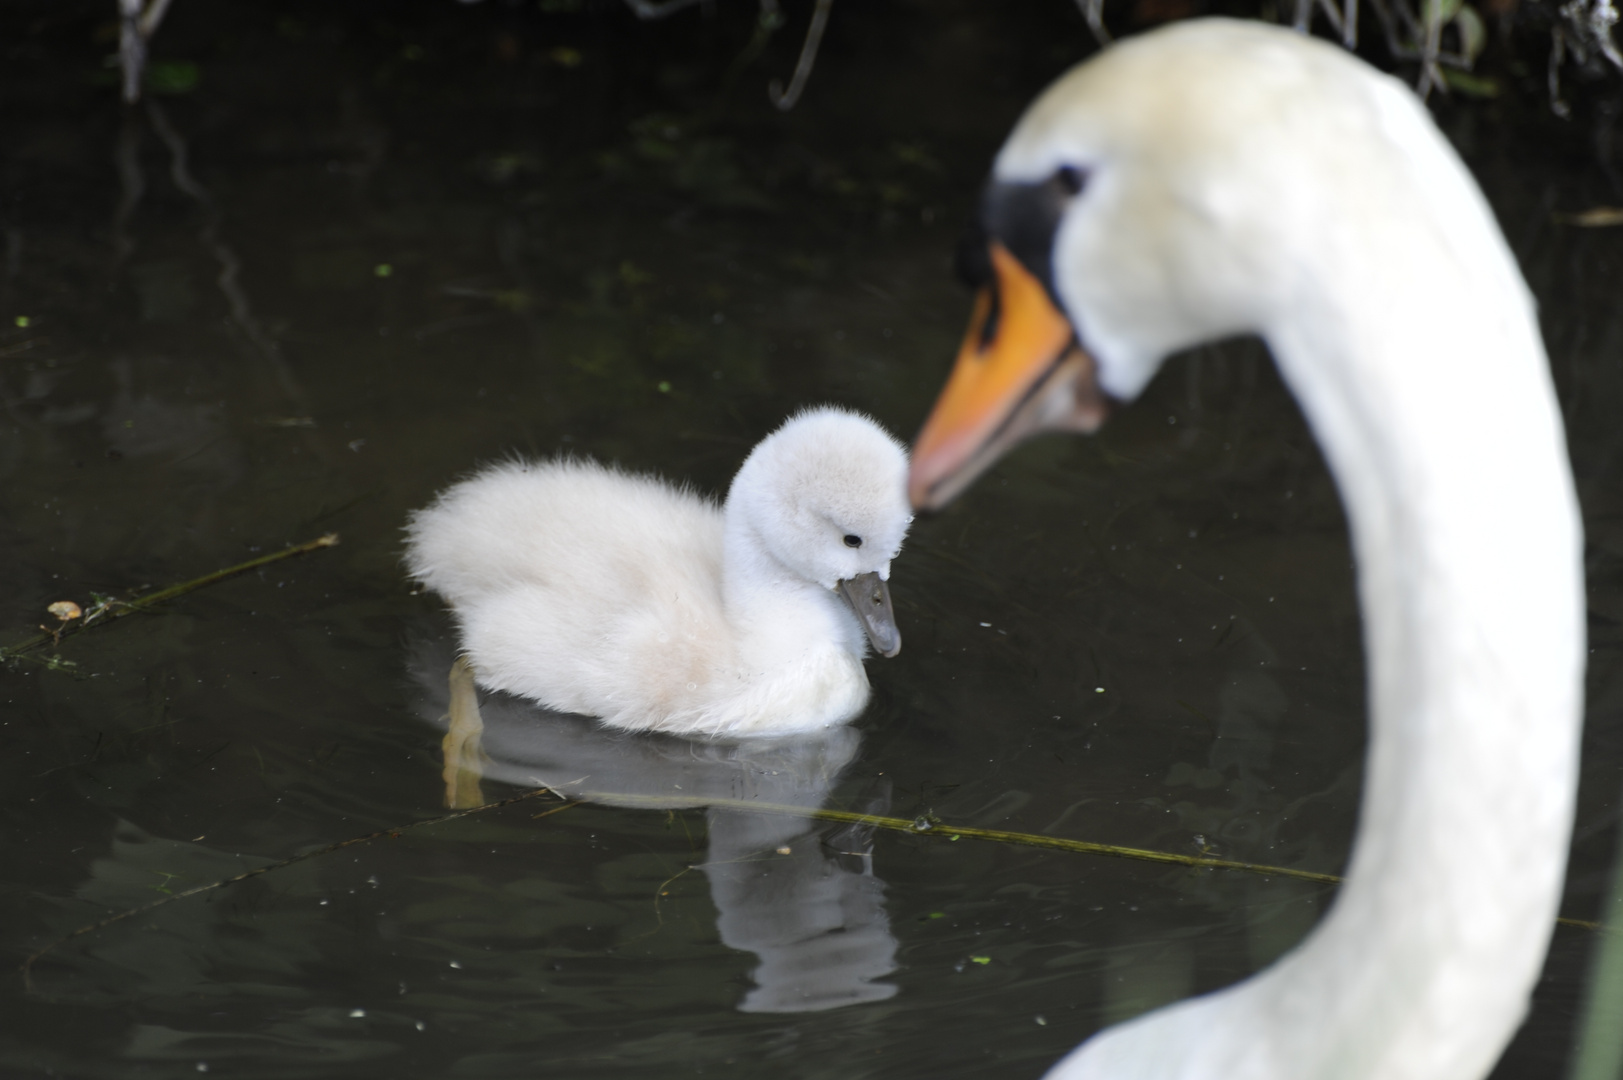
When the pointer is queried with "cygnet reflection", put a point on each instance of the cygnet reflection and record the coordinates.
(802, 898)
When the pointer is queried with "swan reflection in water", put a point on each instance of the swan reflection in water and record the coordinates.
(803, 899)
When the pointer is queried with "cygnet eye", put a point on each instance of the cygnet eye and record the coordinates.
(853, 540)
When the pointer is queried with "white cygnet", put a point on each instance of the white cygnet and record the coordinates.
(595, 591)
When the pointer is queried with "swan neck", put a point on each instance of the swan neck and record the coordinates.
(1429, 392)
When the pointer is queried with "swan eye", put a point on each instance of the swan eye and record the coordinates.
(853, 540)
(1070, 179)
(1025, 215)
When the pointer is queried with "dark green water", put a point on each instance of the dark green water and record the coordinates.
(592, 243)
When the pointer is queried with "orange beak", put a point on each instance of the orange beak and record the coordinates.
(1023, 374)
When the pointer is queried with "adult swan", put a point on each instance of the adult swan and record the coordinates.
(1216, 178)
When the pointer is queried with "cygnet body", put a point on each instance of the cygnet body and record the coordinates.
(615, 595)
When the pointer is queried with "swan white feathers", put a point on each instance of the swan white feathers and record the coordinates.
(596, 591)
(1215, 178)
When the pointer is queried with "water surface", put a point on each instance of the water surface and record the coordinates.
(374, 244)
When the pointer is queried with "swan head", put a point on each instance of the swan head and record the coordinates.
(1156, 197)
(824, 499)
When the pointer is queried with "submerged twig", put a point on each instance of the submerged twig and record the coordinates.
(105, 611)
(27, 966)
(460, 749)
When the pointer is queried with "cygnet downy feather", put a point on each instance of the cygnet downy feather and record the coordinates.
(620, 596)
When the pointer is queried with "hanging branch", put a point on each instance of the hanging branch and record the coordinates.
(650, 9)
(785, 99)
(1343, 20)
(771, 17)
(135, 28)
(768, 20)
(1581, 30)
(1094, 12)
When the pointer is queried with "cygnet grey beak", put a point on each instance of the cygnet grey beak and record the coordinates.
(869, 597)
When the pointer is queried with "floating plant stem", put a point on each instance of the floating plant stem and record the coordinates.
(919, 826)
(106, 610)
(930, 826)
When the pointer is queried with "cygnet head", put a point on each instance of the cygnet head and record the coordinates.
(825, 496)
(824, 499)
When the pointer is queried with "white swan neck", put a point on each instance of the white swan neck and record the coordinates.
(1413, 350)
(1465, 529)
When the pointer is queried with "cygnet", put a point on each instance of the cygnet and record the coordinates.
(616, 595)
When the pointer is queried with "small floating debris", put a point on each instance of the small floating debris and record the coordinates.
(65, 610)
